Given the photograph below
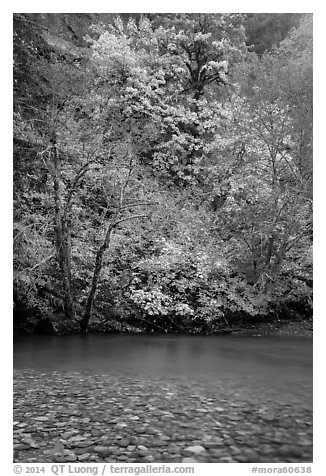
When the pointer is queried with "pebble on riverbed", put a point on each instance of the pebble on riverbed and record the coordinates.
(71, 417)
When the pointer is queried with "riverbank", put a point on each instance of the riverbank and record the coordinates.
(55, 325)
(279, 328)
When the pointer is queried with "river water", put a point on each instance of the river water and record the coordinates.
(277, 367)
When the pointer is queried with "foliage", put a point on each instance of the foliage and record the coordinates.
(265, 30)
(163, 174)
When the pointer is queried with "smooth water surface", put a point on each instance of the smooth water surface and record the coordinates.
(273, 365)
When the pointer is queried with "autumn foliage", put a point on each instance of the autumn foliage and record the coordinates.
(163, 174)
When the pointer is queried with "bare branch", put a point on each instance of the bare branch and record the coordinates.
(41, 262)
(23, 231)
(138, 204)
(37, 265)
(80, 174)
(291, 242)
(42, 226)
(132, 217)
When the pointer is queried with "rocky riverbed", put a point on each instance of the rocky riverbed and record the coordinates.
(62, 416)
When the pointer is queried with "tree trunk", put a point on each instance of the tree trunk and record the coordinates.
(98, 267)
(66, 275)
(68, 304)
(96, 276)
(62, 233)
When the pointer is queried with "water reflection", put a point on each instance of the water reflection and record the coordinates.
(277, 364)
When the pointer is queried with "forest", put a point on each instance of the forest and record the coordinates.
(162, 171)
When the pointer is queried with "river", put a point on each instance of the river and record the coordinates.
(262, 388)
(277, 364)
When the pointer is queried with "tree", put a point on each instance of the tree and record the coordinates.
(266, 30)
(130, 197)
(61, 142)
(162, 73)
(32, 137)
(168, 118)
(268, 201)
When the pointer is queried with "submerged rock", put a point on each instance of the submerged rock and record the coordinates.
(191, 437)
(195, 449)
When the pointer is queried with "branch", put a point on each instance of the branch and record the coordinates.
(140, 204)
(37, 265)
(105, 211)
(23, 231)
(43, 225)
(42, 262)
(248, 244)
(124, 186)
(132, 217)
(291, 242)
(151, 323)
(80, 174)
